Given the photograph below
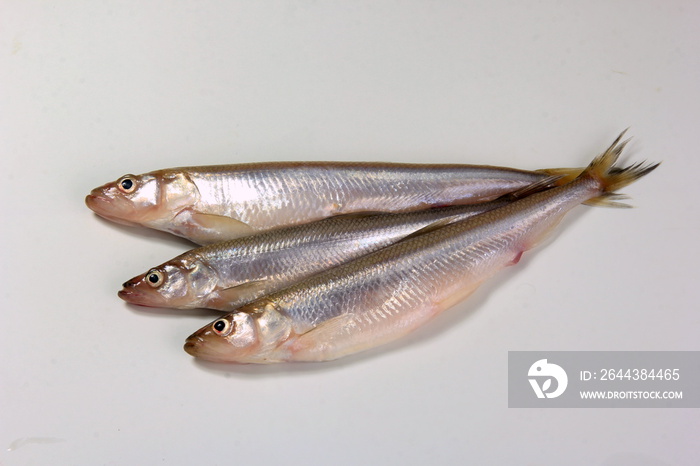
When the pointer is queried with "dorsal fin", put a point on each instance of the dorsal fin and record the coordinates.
(432, 226)
(533, 188)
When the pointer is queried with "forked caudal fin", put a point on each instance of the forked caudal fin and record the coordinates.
(612, 178)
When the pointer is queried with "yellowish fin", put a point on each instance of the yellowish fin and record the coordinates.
(561, 175)
(612, 178)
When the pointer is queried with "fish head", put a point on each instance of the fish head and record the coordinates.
(143, 199)
(249, 335)
(179, 284)
(163, 286)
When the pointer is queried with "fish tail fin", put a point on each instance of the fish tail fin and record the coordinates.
(612, 178)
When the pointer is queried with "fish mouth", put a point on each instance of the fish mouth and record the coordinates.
(95, 202)
(132, 296)
(104, 206)
(193, 345)
(205, 349)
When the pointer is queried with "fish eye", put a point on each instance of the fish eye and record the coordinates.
(222, 327)
(126, 184)
(154, 278)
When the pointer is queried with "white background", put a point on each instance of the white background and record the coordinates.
(93, 90)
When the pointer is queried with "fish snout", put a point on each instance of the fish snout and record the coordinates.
(192, 345)
(111, 206)
(95, 202)
(204, 345)
(126, 294)
(131, 283)
(134, 292)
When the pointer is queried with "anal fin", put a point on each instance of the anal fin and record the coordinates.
(517, 258)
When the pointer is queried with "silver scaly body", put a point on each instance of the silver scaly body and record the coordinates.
(387, 294)
(215, 203)
(226, 275)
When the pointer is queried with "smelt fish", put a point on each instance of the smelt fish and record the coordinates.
(216, 203)
(382, 296)
(226, 275)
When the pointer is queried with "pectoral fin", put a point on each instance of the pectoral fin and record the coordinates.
(330, 340)
(209, 228)
(233, 297)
